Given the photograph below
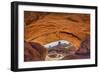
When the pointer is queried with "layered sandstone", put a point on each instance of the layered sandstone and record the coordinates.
(44, 27)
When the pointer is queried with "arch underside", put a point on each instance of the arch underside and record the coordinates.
(55, 26)
(51, 37)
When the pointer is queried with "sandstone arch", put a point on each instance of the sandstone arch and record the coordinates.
(47, 27)
(54, 36)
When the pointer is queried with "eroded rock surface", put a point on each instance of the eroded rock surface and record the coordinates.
(34, 52)
(42, 28)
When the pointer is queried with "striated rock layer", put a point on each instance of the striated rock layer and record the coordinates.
(45, 27)
(41, 28)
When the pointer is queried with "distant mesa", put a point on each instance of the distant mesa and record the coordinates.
(58, 51)
(57, 44)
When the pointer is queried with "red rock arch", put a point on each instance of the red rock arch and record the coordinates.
(47, 38)
(46, 27)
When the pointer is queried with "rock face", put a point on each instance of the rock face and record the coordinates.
(41, 49)
(34, 52)
(31, 17)
(84, 47)
(82, 53)
(43, 28)
(74, 56)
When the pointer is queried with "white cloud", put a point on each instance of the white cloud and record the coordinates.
(55, 43)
